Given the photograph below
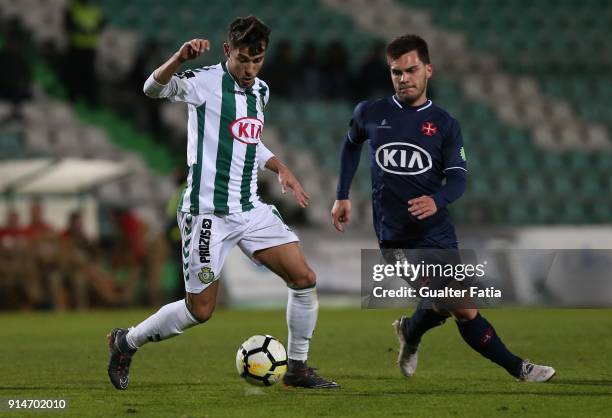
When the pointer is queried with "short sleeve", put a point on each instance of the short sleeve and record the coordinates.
(189, 86)
(263, 155)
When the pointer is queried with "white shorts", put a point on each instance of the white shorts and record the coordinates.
(208, 238)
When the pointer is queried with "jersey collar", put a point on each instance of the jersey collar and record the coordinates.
(248, 89)
(399, 104)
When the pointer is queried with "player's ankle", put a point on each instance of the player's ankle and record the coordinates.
(293, 365)
(124, 346)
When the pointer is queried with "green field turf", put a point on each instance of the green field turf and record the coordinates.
(65, 355)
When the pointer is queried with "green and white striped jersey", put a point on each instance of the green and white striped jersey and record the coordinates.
(224, 130)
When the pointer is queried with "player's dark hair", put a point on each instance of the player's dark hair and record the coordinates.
(406, 43)
(250, 32)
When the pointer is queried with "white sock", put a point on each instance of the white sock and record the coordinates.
(166, 323)
(302, 309)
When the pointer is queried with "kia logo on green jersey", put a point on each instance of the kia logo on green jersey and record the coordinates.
(403, 158)
(246, 130)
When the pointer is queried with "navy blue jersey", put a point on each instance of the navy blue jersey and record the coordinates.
(412, 151)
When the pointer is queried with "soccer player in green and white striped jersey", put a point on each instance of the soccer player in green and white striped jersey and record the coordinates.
(220, 207)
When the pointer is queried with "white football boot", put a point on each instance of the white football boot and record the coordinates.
(408, 357)
(535, 373)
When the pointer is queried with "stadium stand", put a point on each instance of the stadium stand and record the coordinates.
(543, 46)
(519, 110)
(511, 124)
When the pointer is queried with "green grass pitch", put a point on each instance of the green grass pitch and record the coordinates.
(193, 375)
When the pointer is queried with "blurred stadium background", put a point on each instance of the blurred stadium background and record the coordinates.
(90, 168)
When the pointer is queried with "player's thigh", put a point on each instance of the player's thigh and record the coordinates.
(269, 241)
(206, 241)
(287, 261)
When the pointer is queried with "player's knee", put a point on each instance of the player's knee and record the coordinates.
(465, 314)
(307, 278)
(202, 312)
(440, 311)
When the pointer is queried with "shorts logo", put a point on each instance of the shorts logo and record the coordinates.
(204, 242)
(206, 275)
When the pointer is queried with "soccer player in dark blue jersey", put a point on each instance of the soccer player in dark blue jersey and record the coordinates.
(418, 168)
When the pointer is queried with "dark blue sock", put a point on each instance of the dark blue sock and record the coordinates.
(481, 336)
(419, 323)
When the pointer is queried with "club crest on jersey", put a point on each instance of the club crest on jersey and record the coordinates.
(246, 130)
(403, 158)
(429, 129)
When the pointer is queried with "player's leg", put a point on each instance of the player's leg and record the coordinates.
(204, 250)
(288, 262)
(410, 330)
(172, 319)
(270, 242)
(481, 336)
(424, 318)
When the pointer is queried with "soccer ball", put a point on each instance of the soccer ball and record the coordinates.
(261, 360)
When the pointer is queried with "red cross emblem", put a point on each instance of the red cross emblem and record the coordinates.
(429, 129)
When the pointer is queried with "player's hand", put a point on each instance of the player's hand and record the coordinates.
(288, 181)
(422, 207)
(341, 214)
(192, 49)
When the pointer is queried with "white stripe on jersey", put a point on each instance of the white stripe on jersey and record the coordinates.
(238, 154)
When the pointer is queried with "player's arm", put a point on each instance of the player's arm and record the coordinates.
(163, 83)
(455, 172)
(349, 162)
(287, 180)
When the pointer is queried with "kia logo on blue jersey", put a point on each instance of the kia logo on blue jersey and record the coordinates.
(403, 159)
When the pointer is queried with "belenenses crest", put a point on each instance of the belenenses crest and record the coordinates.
(246, 130)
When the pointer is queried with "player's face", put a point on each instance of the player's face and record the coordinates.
(242, 65)
(409, 75)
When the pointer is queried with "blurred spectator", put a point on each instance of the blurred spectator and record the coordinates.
(21, 284)
(11, 230)
(140, 253)
(311, 77)
(281, 71)
(83, 23)
(336, 75)
(156, 255)
(81, 281)
(38, 227)
(173, 232)
(15, 50)
(129, 236)
(147, 60)
(76, 236)
(373, 78)
(40, 268)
